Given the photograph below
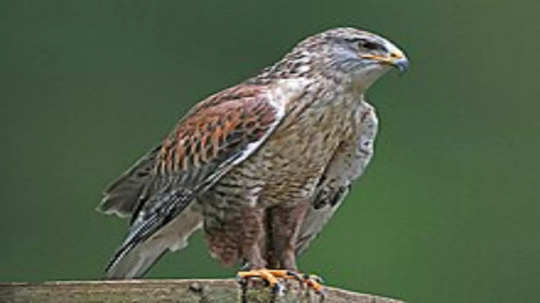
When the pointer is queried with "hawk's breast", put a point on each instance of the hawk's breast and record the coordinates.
(288, 166)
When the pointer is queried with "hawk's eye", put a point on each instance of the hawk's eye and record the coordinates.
(369, 45)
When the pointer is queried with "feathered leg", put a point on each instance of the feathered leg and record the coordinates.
(285, 223)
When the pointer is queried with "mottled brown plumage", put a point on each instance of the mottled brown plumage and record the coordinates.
(260, 166)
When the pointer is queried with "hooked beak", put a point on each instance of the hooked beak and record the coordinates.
(396, 59)
(401, 63)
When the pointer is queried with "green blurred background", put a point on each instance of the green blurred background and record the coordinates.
(447, 212)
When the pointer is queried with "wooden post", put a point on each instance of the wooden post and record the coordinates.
(180, 291)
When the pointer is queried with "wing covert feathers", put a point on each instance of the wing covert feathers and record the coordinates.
(217, 133)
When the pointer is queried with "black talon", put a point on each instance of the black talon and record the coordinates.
(297, 277)
(278, 289)
(241, 280)
(322, 296)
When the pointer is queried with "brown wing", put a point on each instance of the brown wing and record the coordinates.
(217, 134)
(199, 142)
(348, 163)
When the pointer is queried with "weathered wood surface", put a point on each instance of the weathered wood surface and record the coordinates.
(180, 291)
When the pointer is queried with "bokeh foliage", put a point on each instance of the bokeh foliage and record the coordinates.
(448, 211)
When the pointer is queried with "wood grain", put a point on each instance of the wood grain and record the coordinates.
(178, 291)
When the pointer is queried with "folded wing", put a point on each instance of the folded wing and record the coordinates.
(215, 136)
(347, 164)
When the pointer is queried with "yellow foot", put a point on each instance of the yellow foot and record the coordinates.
(314, 282)
(271, 276)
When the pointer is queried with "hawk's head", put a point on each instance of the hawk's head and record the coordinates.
(348, 53)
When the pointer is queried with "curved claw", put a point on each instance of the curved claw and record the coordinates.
(296, 276)
(313, 277)
(278, 289)
(315, 282)
(316, 286)
(322, 296)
